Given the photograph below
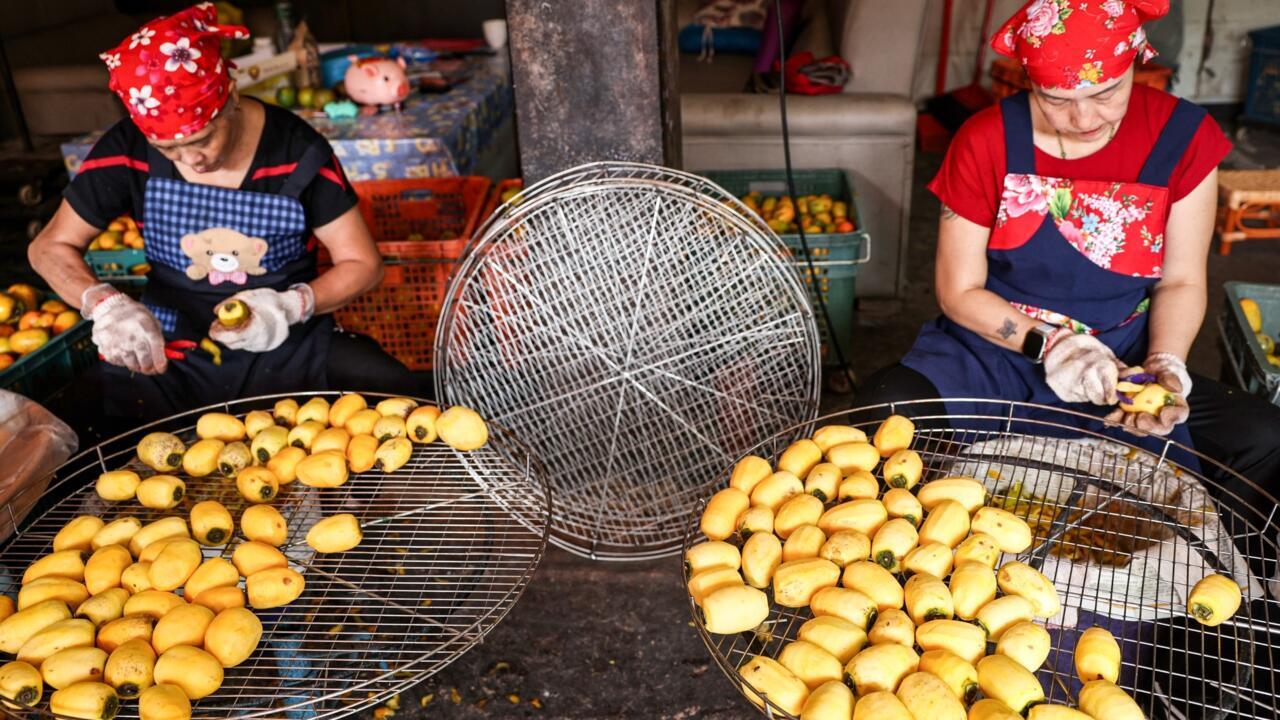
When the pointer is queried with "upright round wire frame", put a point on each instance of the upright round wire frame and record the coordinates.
(638, 334)
(1100, 509)
(450, 542)
(619, 170)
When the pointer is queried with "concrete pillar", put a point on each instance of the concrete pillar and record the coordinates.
(594, 80)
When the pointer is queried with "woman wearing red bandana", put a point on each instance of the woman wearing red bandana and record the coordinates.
(231, 196)
(1075, 229)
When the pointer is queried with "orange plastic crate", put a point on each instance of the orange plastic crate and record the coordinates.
(421, 226)
(495, 197)
(422, 208)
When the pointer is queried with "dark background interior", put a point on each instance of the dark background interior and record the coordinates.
(73, 32)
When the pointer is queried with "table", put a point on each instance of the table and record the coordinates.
(1248, 206)
(434, 135)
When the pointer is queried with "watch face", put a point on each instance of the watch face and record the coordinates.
(1033, 344)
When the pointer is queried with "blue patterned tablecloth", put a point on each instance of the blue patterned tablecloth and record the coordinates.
(434, 135)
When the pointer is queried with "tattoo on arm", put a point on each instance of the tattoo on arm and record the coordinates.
(948, 213)
(1007, 330)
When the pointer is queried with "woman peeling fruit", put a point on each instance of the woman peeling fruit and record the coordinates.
(231, 190)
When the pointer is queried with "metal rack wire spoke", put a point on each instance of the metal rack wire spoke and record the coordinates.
(638, 331)
(1124, 534)
(450, 543)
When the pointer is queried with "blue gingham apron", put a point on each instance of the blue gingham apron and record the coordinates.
(184, 286)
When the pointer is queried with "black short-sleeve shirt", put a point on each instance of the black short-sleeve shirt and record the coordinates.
(112, 179)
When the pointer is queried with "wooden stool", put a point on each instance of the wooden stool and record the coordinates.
(1247, 196)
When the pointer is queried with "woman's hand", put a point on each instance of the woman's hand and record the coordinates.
(1171, 372)
(271, 313)
(126, 333)
(1080, 369)
(1162, 424)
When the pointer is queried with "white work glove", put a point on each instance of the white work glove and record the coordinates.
(1079, 368)
(1171, 372)
(126, 333)
(271, 312)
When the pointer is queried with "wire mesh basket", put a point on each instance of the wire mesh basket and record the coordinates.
(638, 334)
(1124, 534)
(450, 542)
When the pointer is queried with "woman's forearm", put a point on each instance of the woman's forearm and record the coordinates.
(1177, 311)
(57, 255)
(344, 282)
(64, 269)
(990, 316)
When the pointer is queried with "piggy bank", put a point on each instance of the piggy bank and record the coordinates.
(377, 81)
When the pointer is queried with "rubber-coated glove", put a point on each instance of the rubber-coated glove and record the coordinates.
(271, 312)
(126, 333)
(1079, 368)
(1171, 373)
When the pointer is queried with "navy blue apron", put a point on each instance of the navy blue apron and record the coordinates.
(1056, 280)
(205, 244)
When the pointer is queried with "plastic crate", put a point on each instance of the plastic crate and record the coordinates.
(422, 208)
(1243, 353)
(836, 256)
(421, 226)
(495, 197)
(42, 374)
(1262, 98)
(114, 264)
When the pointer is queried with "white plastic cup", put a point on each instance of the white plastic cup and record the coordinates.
(495, 33)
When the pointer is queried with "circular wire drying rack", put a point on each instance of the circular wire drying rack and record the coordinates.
(1098, 507)
(617, 170)
(638, 334)
(450, 542)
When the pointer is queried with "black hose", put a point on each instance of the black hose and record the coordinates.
(832, 339)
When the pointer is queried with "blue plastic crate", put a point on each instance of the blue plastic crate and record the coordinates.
(1262, 99)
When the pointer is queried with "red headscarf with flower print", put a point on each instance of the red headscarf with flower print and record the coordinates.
(1073, 44)
(170, 74)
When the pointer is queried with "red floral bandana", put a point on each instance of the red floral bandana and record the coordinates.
(170, 74)
(1073, 44)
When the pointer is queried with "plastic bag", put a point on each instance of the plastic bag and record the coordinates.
(33, 443)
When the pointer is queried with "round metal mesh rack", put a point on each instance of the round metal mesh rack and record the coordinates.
(1123, 533)
(450, 542)
(638, 333)
(619, 170)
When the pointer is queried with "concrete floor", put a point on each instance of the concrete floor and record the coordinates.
(594, 640)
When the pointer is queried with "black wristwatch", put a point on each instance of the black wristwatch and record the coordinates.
(1036, 342)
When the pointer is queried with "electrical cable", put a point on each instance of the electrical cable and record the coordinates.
(832, 340)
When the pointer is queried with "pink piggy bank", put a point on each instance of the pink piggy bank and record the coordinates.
(377, 81)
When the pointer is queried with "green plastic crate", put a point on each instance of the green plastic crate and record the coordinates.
(836, 256)
(113, 265)
(41, 374)
(1246, 357)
